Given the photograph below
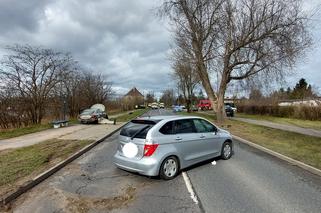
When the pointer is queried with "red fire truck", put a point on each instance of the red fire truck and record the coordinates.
(204, 104)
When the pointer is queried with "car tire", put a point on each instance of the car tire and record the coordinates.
(169, 168)
(227, 151)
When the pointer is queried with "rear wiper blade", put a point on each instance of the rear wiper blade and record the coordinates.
(139, 131)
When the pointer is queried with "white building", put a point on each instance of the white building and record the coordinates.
(298, 102)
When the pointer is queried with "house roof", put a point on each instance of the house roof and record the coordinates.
(134, 92)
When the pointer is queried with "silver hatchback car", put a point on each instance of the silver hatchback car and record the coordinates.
(166, 144)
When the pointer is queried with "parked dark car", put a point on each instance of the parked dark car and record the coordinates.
(141, 106)
(93, 115)
(90, 116)
(229, 111)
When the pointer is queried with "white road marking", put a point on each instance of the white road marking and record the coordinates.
(189, 187)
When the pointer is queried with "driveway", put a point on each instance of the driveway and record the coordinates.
(290, 128)
(251, 181)
(75, 132)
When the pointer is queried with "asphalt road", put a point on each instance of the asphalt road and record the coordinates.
(93, 184)
(251, 181)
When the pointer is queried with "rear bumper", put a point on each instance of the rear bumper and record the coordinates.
(229, 113)
(146, 166)
(87, 121)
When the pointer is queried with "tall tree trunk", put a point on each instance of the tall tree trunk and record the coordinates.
(188, 105)
(220, 110)
(203, 75)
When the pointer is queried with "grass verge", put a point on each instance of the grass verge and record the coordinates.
(19, 165)
(130, 116)
(289, 121)
(207, 115)
(294, 145)
(11, 133)
(115, 112)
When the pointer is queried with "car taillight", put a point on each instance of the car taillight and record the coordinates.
(149, 149)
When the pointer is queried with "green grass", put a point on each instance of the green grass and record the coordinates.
(294, 145)
(115, 112)
(11, 133)
(73, 121)
(19, 165)
(297, 146)
(289, 121)
(208, 115)
(130, 116)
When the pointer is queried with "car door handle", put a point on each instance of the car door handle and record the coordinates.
(178, 139)
(202, 136)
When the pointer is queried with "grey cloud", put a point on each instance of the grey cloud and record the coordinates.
(17, 14)
(120, 38)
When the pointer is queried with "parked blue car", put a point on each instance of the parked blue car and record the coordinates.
(177, 108)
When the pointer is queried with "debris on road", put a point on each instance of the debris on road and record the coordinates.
(105, 121)
(214, 163)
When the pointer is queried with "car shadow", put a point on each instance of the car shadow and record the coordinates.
(201, 164)
(157, 178)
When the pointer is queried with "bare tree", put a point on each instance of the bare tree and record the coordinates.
(196, 24)
(239, 40)
(81, 89)
(167, 97)
(150, 97)
(95, 88)
(31, 73)
(12, 110)
(186, 78)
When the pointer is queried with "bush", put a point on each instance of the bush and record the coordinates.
(299, 112)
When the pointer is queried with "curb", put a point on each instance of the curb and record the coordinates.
(280, 156)
(35, 181)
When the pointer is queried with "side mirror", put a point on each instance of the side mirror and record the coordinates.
(215, 131)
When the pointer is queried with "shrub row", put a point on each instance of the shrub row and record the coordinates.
(299, 112)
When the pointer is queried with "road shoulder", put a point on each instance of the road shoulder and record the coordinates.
(280, 156)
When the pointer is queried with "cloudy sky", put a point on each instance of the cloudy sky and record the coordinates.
(120, 38)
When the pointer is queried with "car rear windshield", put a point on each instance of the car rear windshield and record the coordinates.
(137, 128)
(88, 111)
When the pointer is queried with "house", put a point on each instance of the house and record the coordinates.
(132, 98)
(134, 93)
(299, 102)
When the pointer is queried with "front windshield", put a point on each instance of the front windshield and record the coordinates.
(88, 111)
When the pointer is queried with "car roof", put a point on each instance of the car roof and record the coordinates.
(158, 117)
(167, 117)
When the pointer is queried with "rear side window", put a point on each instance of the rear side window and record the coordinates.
(136, 130)
(200, 127)
(167, 129)
(209, 127)
(184, 126)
